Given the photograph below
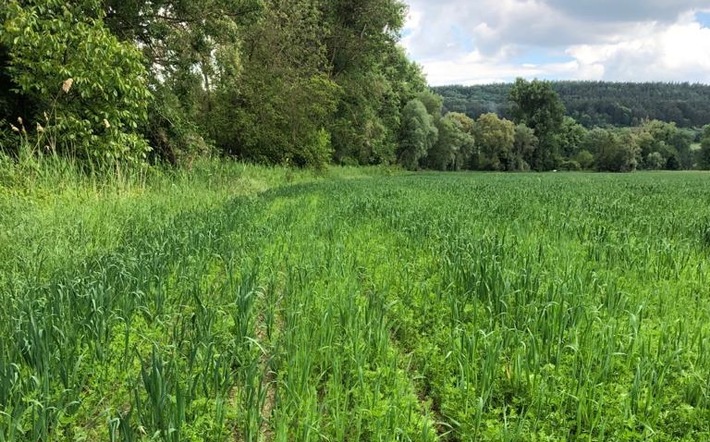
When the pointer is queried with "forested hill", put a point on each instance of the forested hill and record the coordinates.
(596, 103)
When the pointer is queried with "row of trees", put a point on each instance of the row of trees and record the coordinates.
(303, 82)
(542, 137)
(298, 81)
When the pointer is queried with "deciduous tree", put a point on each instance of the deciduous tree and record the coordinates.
(615, 150)
(454, 145)
(537, 105)
(418, 135)
(495, 138)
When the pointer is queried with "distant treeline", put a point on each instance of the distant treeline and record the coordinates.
(596, 103)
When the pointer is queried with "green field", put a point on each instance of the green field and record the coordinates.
(270, 305)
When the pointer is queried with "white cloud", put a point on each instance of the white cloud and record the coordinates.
(627, 10)
(678, 52)
(468, 71)
(459, 41)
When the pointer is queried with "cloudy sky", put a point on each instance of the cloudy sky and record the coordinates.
(483, 41)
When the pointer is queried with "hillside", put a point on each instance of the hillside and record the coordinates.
(597, 103)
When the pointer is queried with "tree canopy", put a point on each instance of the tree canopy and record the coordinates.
(538, 106)
(419, 134)
(72, 82)
(305, 83)
(301, 82)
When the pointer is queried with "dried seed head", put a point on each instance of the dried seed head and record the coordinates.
(66, 86)
(46, 117)
(14, 128)
(19, 120)
(106, 123)
(40, 129)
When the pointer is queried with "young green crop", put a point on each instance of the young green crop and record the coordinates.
(417, 307)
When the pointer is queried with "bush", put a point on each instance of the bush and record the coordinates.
(173, 135)
(88, 91)
(585, 159)
(319, 151)
(571, 166)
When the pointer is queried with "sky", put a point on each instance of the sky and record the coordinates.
(491, 41)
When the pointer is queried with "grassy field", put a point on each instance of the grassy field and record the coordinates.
(239, 303)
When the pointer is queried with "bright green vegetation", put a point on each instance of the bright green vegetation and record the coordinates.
(302, 82)
(259, 304)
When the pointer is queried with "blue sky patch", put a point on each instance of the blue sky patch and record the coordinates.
(703, 18)
(462, 39)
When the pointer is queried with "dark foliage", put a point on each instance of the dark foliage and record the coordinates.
(596, 103)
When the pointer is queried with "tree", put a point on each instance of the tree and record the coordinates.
(84, 91)
(454, 144)
(433, 103)
(277, 107)
(359, 32)
(523, 147)
(666, 139)
(705, 148)
(616, 151)
(538, 106)
(465, 140)
(367, 122)
(184, 44)
(495, 138)
(375, 76)
(569, 138)
(418, 134)
(310, 66)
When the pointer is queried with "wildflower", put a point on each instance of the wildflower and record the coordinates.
(66, 86)
(106, 123)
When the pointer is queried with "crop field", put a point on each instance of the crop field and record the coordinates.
(412, 307)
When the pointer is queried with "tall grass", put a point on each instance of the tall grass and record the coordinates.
(236, 302)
